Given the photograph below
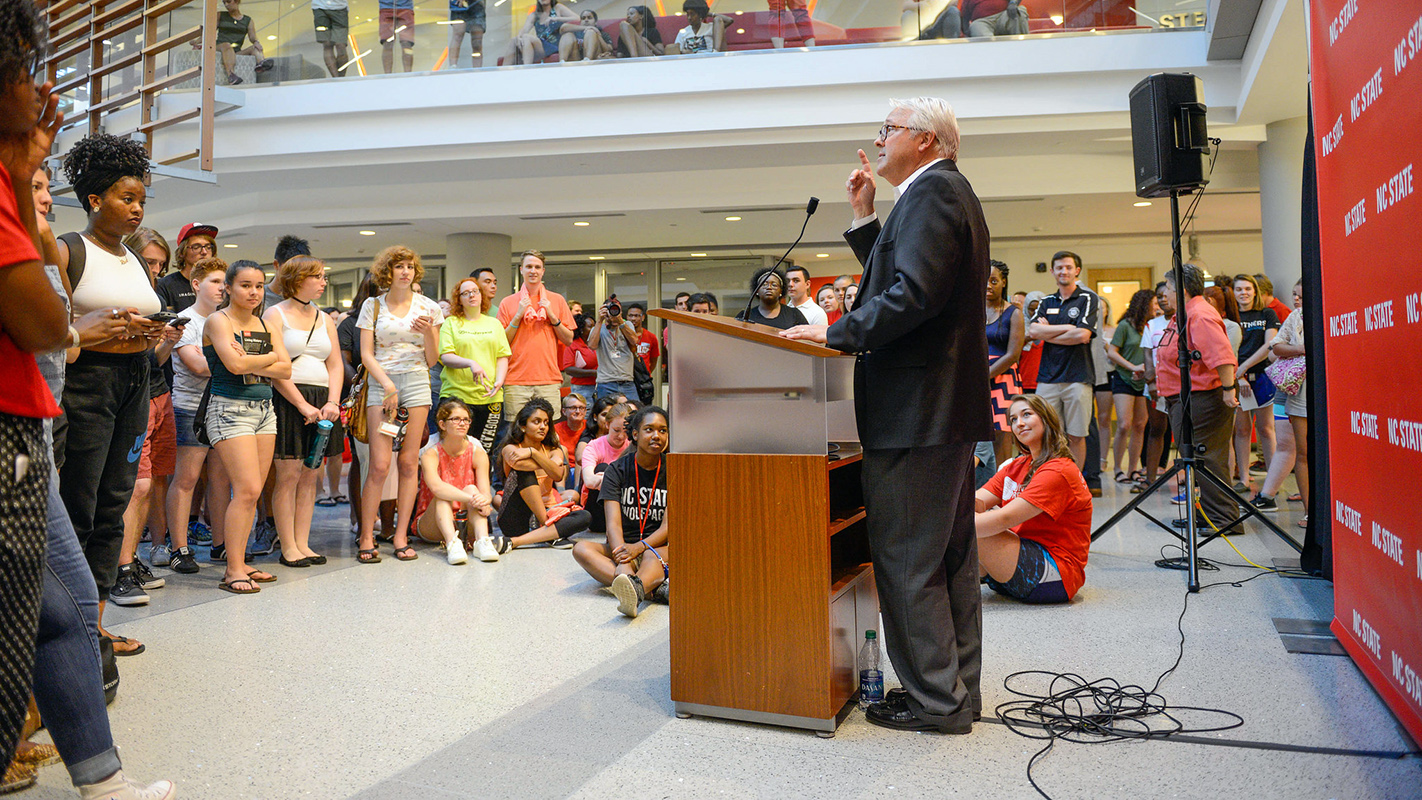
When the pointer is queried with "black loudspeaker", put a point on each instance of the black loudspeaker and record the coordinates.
(1168, 134)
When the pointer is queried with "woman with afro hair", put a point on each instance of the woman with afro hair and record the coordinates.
(106, 385)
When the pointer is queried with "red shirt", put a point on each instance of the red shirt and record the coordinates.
(577, 354)
(834, 315)
(1280, 310)
(1064, 526)
(1027, 365)
(647, 348)
(569, 438)
(26, 394)
(1207, 335)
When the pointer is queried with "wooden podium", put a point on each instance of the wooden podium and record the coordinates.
(774, 589)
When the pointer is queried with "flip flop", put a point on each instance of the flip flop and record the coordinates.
(406, 549)
(327, 502)
(125, 640)
(231, 586)
(342, 499)
(371, 556)
(253, 574)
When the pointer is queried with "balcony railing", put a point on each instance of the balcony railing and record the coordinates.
(301, 41)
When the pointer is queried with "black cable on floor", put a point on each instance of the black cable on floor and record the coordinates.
(1073, 709)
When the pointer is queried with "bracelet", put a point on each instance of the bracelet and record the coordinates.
(73, 336)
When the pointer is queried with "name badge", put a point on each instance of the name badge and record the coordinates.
(1053, 310)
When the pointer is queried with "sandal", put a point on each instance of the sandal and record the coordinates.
(371, 556)
(260, 576)
(118, 640)
(1138, 476)
(1139, 486)
(406, 549)
(1122, 477)
(327, 502)
(1295, 498)
(231, 586)
(342, 499)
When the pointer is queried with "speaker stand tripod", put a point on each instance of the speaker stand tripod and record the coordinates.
(1189, 461)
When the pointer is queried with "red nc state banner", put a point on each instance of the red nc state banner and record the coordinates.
(1366, 58)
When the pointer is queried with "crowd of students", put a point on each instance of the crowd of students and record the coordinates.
(143, 400)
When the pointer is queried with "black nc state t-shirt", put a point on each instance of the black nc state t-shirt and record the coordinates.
(641, 494)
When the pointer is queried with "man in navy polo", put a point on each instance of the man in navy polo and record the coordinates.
(1065, 322)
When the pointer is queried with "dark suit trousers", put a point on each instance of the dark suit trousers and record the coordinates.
(1213, 426)
(925, 551)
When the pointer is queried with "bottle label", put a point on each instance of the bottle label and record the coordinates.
(871, 685)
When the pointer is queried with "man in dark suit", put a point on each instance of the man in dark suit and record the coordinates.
(921, 396)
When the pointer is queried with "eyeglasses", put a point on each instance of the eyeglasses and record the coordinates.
(458, 421)
(885, 131)
(203, 247)
(472, 293)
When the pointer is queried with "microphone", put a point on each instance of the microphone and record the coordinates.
(810, 209)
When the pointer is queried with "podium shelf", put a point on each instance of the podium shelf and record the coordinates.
(844, 578)
(839, 520)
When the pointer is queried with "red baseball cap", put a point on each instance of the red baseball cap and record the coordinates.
(199, 228)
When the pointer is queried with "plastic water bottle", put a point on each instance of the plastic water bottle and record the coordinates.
(318, 445)
(402, 419)
(461, 522)
(871, 677)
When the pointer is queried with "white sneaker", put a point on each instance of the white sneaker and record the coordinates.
(629, 594)
(485, 550)
(117, 787)
(454, 553)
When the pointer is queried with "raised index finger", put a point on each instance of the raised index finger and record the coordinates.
(863, 159)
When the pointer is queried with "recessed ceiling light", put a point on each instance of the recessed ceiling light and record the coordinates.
(596, 258)
(233, 246)
(367, 233)
(582, 224)
(733, 219)
(1056, 19)
(821, 255)
(1142, 204)
(698, 255)
(681, 279)
(271, 38)
(740, 30)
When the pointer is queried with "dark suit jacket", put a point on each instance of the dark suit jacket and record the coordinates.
(919, 322)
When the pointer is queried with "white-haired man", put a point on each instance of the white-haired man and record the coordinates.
(921, 399)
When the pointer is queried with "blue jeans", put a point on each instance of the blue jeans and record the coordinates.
(69, 683)
(588, 393)
(627, 388)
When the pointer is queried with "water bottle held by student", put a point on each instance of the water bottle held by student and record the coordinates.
(318, 445)
(871, 677)
(402, 420)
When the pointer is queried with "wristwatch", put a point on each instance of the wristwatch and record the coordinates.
(556, 322)
(1233, 386)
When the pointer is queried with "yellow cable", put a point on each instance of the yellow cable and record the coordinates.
(1213, 527)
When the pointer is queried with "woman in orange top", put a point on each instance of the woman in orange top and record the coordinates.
(1034, 516)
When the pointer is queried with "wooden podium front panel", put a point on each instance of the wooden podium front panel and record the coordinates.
(749, 623)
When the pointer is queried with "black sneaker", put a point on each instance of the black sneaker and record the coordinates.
(662, 594)
(561, 544)
(218, 554)
(184, 561)
(263, 541)
(1262, 503)
(145, 577)
(502, 543)
(126, 591)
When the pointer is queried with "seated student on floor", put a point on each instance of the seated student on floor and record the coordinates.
(454, 477)
(597, 455)
(533, 460)
(634, 498)
(1034, 515)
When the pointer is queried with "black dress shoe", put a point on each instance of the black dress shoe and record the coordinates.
(901, 718)
(899, 697)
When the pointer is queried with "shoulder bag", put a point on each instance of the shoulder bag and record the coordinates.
(353, 411)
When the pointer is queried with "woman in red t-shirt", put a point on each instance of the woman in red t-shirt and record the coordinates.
(1034, 515)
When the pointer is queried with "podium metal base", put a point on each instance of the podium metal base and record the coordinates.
(824, 728)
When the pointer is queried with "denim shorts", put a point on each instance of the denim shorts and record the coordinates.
(184, 419)
(1036, 579)
(412, 389)
(228, 418)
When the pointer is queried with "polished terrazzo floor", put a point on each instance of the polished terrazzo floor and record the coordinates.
(520, 679)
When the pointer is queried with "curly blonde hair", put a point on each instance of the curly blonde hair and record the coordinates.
(206, 266)
(384, 266)
(294, 271)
